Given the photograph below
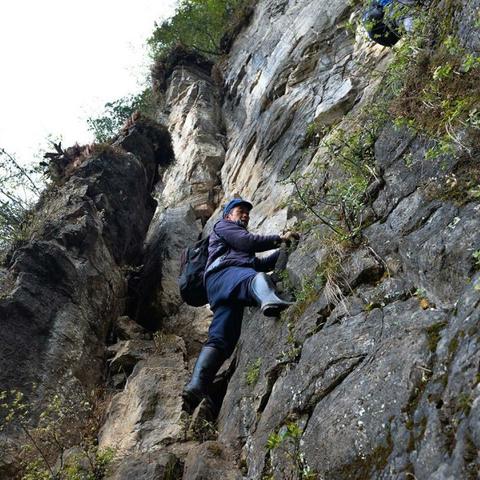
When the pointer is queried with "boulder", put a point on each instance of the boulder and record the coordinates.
(210, 461)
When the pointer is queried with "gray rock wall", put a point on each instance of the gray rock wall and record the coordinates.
(373, 383)
(63, 288)
(373, 376)
(294, 64)
(145, 417)
(370, 381)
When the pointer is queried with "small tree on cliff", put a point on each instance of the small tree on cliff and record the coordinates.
(117, 112)
(197, 25)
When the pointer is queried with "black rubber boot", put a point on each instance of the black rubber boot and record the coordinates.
(263, 290)
(208, 363)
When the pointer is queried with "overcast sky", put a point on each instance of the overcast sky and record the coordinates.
(61, 61)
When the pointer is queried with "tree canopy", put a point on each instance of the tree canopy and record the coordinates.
(197, 24)
(117, 112)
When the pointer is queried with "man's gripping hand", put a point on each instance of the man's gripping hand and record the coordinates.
(290, 237)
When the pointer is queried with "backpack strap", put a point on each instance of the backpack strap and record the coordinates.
(221, 254)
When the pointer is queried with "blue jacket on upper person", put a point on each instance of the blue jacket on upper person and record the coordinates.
(232, 245)
(384, 3)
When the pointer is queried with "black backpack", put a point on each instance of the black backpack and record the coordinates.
(380, 29)
(192, 268)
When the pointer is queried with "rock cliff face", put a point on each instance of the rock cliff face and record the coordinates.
(65, 286)
(374, 375)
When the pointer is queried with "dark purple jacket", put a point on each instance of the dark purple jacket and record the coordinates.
(232, 245)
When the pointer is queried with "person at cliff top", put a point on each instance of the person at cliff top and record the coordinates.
(234, 278)
(385, 22)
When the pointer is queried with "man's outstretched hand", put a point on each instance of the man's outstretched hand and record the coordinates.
(290, 237)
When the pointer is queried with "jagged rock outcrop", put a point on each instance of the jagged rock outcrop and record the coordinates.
(63, 288)
(187, 192)
(148, 412)
(192, 102)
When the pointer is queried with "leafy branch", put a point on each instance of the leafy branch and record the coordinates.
(197, 24)
(288, 441)
(43, 451)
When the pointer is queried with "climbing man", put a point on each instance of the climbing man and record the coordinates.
(386, 20)
(234, 278)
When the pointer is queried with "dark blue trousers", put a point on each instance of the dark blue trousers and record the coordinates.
(228, 293)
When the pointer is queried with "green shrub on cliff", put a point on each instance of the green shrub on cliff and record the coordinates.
(20, 187)
(117, 112)
(203, 26)
(253, 372)
(197, 24)
(286, 443)
(429, 87)
(59, 443)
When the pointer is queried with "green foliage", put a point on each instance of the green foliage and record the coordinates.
(287, 440)
(470, 62)
(313, 133)
(430, 87)
(196, 24)
(20, 187)
(348, 153)
(274, 441)
(46, 449)
(117, 112)
(305, 296)
(290, 355)
(442, 147)
(431, 84)
(477, 20)
(368, 307)
(434, 79)
(329, 277)
(253, 372)
(442, 72)
(476, 257)
(464, 403)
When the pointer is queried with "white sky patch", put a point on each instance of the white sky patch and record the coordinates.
(61, 61)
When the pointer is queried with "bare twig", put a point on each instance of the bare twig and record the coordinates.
(39, 450)
(304, 201)
(20, 169)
